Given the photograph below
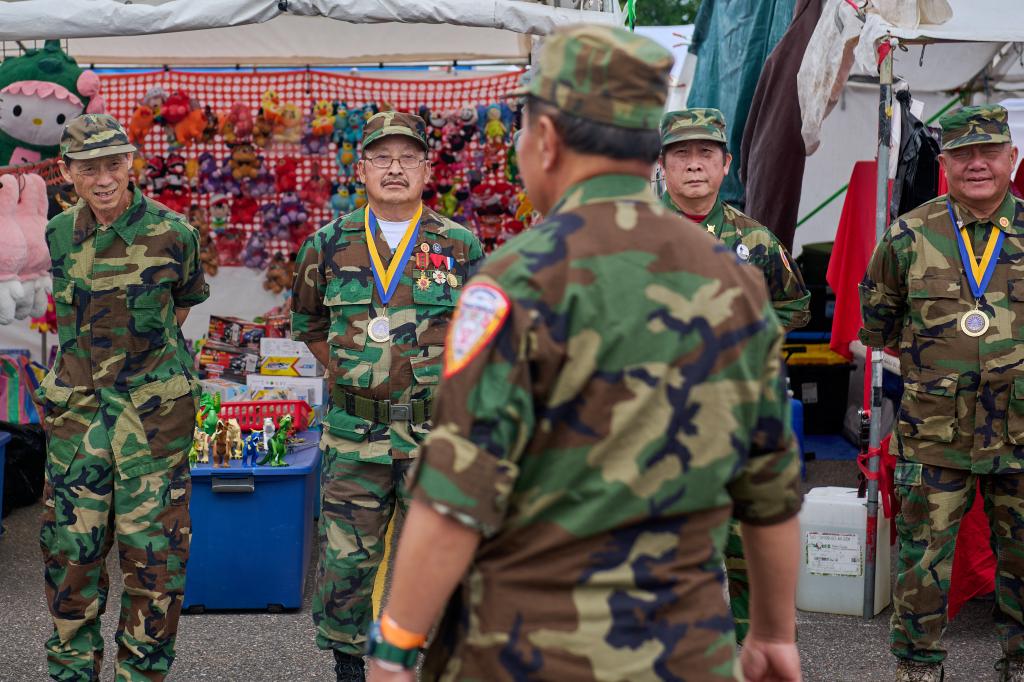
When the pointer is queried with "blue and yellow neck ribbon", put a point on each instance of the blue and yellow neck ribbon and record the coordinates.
(387, 278)
(978, 273)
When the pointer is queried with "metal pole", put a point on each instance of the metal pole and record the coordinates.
(875, 354)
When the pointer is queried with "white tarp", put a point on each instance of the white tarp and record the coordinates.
(844, 43)
(314, 32)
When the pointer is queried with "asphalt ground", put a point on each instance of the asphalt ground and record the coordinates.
(261, 646)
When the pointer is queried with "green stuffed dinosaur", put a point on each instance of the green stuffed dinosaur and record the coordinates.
(40, 91)
(278, 445)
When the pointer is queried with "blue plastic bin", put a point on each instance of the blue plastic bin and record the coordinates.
(4, 439)
(798, 428)
(252, 532)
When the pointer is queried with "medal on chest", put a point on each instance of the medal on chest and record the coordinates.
(386, 279)
(976, 322)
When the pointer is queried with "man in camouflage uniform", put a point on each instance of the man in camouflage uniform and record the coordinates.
(383, 350)
(120, 408)
(694, 160)
(612, 394)
(959, 332)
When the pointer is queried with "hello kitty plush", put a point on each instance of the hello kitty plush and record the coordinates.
(35, 273)
(13, 255)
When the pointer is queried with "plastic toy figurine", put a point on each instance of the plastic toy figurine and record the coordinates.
(277, 447)
(206, 426)
(252, 448)
(227, 442)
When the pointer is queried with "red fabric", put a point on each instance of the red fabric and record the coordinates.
(1018, 181)
(855, 239)
(974, 564)
(696, 217)
(943, 185)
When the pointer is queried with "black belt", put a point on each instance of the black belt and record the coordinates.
(382, 411)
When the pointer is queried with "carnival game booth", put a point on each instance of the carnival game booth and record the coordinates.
(966, 48)
(248, 116)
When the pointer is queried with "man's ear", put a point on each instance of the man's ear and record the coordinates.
(64, 171)
(550, 142)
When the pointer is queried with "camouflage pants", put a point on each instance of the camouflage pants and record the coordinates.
(359, 499)
(934, 501)
(87, 507)
(739, 581)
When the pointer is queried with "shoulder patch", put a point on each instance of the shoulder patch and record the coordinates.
(481, 312)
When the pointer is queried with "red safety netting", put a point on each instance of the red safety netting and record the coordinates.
(249, 223)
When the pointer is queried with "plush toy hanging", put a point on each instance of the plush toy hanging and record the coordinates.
(40, 91)
(14, 253)
(35, 273)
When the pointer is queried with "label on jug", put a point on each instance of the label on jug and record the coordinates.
(834, 554)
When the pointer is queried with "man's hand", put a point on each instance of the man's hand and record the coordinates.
(767, 661)
(379, 674)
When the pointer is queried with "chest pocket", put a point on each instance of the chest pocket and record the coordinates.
(1015, 294)
(348, 301)
(68, 324)
(434, 308)
(149, 316)
(935, 306)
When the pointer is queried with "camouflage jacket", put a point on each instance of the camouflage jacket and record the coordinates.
(963, 403)
(790, 297)
(599, 437)
(115, 289)
(334, 300)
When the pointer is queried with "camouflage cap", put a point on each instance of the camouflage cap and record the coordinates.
(388, 123)
(90, 136)
(982, 124)
(692, 124)
(603, 74)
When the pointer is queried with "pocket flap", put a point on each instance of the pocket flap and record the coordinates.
(1016, 290)
(438, 294)
(935, 287)
(63, 290)
(348, 289)
(49, 391)
(931, 382)
(907, 473)
(160, 390)
(426, 370)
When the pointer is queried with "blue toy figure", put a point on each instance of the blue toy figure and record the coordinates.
(253, 448)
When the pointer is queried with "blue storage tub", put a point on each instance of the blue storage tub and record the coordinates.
(4, 439)
(252, 532)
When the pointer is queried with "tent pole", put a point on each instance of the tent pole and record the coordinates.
(875, 433)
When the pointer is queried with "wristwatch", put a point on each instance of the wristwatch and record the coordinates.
(377, 647)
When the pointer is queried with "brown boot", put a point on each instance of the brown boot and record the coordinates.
(913, 671)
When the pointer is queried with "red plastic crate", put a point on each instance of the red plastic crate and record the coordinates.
(250, 413)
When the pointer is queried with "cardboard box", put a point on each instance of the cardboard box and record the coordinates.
(227, 390)
(236, 332)
(218, 360)
(284, 357)
(311, 389)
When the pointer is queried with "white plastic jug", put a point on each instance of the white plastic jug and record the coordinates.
(833, 525)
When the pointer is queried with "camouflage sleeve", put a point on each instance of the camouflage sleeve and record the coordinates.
(483, 418)
(767, 489)
(883, 296)
(310, 317)
(790, 296)
(192, 288)
(476, 257)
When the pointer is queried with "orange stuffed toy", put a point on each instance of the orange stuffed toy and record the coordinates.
(190, 129)
(141, 124)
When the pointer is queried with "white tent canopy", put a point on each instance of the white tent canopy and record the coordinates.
(289, 32)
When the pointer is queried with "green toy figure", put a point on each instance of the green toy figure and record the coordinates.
(40, 91)
(206, 426)
(278, 445)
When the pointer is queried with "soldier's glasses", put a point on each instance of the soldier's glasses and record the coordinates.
(408, 162)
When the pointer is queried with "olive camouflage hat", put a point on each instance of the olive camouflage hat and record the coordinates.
(983, 124)
(388, 123)
(603, 74)
(90, 136)
(692, 124)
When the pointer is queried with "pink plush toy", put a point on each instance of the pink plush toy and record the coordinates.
(35, 273)
(12, 256)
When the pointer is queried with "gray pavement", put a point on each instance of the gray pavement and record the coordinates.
(272, 647)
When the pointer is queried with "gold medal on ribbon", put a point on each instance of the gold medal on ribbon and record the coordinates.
(453, 281)
(974, 323)
(423, 283)
(379, 329)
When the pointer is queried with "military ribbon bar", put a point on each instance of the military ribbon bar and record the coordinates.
(978, 274)
(387, 278)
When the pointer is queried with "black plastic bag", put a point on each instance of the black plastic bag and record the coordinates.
(23, 466)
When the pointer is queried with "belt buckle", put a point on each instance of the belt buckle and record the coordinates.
(401, 412)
